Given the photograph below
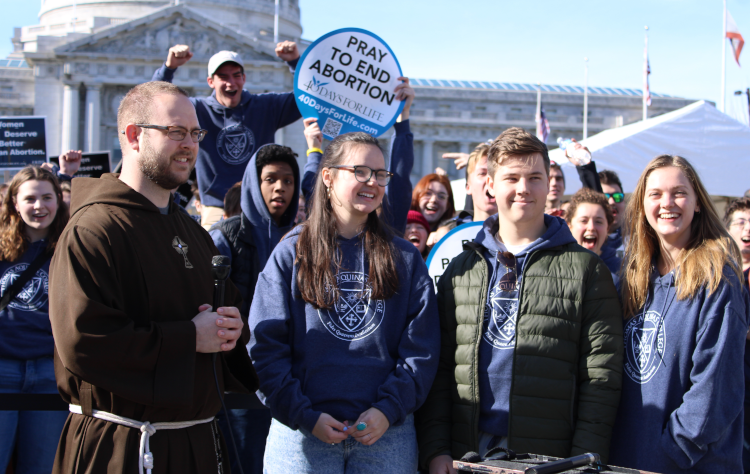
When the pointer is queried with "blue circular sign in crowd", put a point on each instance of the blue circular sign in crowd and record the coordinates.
(346, 79)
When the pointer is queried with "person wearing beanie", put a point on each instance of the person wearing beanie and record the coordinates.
(417, 230)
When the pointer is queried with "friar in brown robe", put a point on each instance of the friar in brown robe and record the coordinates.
(129, 276)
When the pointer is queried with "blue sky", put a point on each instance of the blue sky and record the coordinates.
(543, 40)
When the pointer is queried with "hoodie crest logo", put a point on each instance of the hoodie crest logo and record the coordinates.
(33, 295)
(645, 343)
(355, 315)
(235, 144)
(182, 248)
(500, 318)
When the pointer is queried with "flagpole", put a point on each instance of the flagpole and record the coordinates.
(645, 78)
(724, 61)
(539, 110)
(586, 99)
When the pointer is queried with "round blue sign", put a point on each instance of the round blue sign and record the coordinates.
(346, 79)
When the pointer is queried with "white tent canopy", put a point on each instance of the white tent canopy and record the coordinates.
(715, 144)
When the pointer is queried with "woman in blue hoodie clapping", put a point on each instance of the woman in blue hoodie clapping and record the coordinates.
(31, 220)
(685, 326)
(345, 335)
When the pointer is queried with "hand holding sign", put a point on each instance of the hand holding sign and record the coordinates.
(404, 93)
(312, 133)
(348, 80)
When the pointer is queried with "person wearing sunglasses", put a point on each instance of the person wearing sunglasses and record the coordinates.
(532, 349)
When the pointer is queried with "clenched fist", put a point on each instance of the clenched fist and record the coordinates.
(179, 54)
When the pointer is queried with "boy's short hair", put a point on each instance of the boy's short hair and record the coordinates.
(196, 192)
(65, 186)
(232, 200)
(610, 178)
(274, 154)
(555, 166)
(515, 143)
(741, 204)
(481, 150)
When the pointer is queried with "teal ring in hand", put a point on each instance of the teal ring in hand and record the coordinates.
(361, 426)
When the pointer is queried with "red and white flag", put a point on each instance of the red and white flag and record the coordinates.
(646, 72)
(734, 37)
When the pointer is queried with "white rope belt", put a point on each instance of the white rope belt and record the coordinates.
(145, 458)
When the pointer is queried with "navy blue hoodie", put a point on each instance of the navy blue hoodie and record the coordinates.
(397, 193)
(234, 135)
(360, 354)
(25, 330)
(499, 327)
(683, 390)
(266, 233)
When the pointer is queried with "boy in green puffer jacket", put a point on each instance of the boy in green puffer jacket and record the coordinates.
(532, 345)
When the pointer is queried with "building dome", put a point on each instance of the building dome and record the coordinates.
(253, 18)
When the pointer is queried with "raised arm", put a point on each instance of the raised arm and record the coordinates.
(401, 164)
(314, 139)
(178, 55)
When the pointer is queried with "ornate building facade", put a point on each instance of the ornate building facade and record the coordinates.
(75, 66)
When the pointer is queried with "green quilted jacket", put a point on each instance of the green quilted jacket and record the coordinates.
(567, 363)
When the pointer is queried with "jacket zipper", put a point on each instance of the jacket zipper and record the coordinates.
(518, 320)
(475, 371)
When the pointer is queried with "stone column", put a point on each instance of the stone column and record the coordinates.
(463, 147)
(70, 118)
(93, 117)
(427, 166)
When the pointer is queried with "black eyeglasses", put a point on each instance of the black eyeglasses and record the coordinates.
(176, 133)
(509, 281)
(618, 197)
(364, 174)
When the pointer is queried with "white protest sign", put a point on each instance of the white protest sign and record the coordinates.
(346, 79)
(449, 247)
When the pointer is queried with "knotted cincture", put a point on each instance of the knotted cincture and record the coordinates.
(147, 429)
(145, 457)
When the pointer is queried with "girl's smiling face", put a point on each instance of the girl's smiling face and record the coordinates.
(670, 204)
(36, 203)
(352, 200)
(589, 226)
(434, 202)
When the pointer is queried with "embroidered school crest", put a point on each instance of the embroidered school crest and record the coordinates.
(500, 318)
(355, 315)
(34, 294)
(235, 144)
(182, 248)
(645, 343)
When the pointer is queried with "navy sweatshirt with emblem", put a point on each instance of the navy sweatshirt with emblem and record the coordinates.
(234, 135)
(359, 354)
(25, 330)
(683, 385)
(499, 328)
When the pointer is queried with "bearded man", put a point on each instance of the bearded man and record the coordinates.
(135, 340)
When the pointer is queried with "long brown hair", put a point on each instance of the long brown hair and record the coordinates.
(700, 263)
(421, 188)
(13, 240)
(318, 254)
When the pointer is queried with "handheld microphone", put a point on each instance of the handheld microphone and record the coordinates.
(564, 464)
(220, 269)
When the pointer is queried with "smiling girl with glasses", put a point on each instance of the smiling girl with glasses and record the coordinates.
(344, 328)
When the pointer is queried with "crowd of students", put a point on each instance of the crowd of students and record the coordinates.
(594, 325)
